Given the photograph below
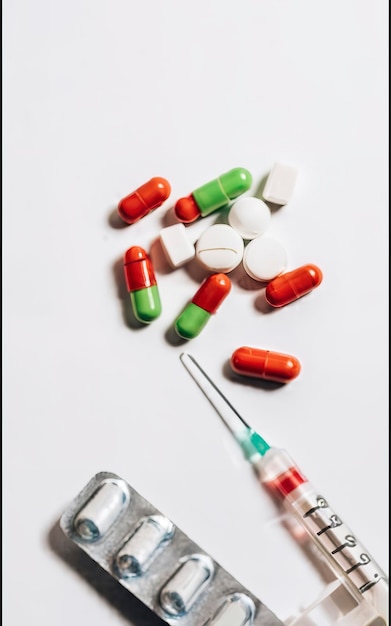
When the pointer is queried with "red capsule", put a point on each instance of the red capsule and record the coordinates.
(143, 200)
(257, 363)
(138, 269)
(293, 285)
(186, 210)
(212, 292)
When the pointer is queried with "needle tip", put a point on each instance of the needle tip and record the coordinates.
(185, 357)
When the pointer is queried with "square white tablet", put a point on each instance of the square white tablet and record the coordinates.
(176, 245)
(280, 184)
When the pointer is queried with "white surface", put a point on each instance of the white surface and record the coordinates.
(176, 245)
(264, 258)
(280, 184)
(250, 217)
(97, 97)
(219, 248)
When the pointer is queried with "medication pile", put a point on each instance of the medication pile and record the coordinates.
(220, 249)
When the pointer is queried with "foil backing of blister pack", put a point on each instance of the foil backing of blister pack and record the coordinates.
(169, 572)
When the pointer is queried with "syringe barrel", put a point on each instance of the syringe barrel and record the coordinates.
(345, 554)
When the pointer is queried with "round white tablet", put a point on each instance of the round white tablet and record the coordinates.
(250, 217)
(220, 248)
(264, 258)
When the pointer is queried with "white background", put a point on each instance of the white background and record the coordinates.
(99, 96)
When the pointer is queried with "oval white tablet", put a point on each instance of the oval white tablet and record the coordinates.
(220, 248)
(250, 217)
(264, 258)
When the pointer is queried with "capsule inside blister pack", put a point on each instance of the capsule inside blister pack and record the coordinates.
(155, 560)
(142, 547)
(236, 610)
(182, 590)
(102, 510)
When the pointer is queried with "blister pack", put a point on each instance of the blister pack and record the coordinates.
(154, 560)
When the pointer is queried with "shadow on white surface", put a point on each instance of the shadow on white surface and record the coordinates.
(120, 599)
(115, 221)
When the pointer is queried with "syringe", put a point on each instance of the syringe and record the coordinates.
(355, 570)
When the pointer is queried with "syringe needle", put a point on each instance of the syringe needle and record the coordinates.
(227, 412)
(346, 556)
(252, 444)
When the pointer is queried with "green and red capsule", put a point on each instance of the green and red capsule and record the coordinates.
(205, 302)
(214, 195)
(141, 284)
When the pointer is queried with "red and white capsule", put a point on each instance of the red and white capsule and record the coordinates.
(291, 286)
(265, 364)
(143, 200)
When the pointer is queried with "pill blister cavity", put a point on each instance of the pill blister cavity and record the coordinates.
(101, 510)
(182, 590)
(237, 610)
(136, 555)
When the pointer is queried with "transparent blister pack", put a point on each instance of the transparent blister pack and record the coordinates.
(155, 561)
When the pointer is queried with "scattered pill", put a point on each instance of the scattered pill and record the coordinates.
(143, 200)
(185, 586)
(101, 511)
(264, 258)
(213, 195)
(141, 284)
(280, 184)
(176, 245)
(293, 285)
(250, 217)
(220, 248)
(265, 364)
(205, 302)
